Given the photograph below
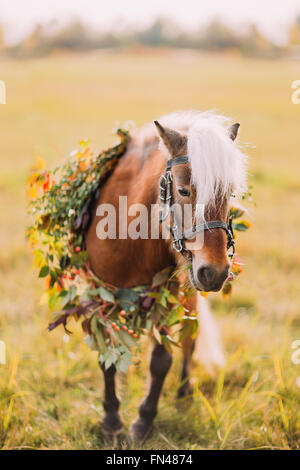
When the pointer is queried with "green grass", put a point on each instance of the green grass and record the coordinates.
(51, 390)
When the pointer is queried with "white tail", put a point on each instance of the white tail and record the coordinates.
(208, 349)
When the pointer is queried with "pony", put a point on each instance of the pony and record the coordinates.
(212, 171)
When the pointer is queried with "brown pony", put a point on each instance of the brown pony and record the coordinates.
(214, 171)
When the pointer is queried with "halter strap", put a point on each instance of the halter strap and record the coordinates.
(166, 196)
(176, 161)
(188, 234)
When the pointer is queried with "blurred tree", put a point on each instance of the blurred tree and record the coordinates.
(74, 35)
(257, 44)
(34, 43)
(162, 32)
(152, 36)
(219, 36)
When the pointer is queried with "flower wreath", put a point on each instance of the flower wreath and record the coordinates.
(113, 318)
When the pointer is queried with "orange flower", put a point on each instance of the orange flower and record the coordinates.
(82, 166)
(86, 152)
(236, 266)
(46, 185)
(47, 281)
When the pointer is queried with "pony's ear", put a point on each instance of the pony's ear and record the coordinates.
(173, 140)
(233, 130)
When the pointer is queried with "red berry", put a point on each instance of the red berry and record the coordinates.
(124, 328)
(117, 328)
(64, 276)
(77, 272)
(113, 324)
(122, 313)
(72, 277)
(77, 249)
(130, 332)
(135, 335)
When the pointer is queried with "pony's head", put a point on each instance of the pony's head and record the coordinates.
(215, 171)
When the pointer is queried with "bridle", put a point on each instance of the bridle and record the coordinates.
(179, 237)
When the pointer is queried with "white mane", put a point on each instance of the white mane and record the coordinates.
(218, 165)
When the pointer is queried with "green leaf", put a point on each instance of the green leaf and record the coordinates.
(126, 338)
(124, 362)
(148, 324)
(38, 258)
(160, 278)
(79, 259)
(64, 262)
(169, 297)
(53, 299)
(235, 212)
(96, 329)
(108, 362)
(156, 334)
(240, 226)
(185, 331)
(162, 299)
(63, 293)
(127, 295)
(44, 271)
(167, 344)
(106, 295)
(65, 299)
(175, 315)
(72, 292)
(89, 341)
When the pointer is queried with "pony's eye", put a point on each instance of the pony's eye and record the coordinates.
(184, 192)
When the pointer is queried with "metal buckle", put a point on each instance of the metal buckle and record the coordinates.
(169, 176)
(177, 245)
(163, 216)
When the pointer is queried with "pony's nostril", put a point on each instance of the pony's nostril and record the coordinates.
(207, 275)
(210, 278)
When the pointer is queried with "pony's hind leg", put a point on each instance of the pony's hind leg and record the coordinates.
(112, 424)
(161, 361)
(188, 345)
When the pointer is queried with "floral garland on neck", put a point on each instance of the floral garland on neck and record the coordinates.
(113, 318)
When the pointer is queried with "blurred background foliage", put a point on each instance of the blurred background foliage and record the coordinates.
(216, 36)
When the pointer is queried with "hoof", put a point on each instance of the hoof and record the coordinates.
(185, 391)
(139, 431)
(111, 428)
(185, 397)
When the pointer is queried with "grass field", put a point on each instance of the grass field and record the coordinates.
(50, 388)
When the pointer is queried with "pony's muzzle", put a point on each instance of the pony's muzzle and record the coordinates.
(210, 279)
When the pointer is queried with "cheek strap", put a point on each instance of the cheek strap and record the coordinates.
(166, 197)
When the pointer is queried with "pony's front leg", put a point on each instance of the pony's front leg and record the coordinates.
(161, 361)
(112, 423)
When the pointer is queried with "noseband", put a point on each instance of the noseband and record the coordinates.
(179, 237)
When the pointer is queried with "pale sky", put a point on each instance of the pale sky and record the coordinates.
(272, 16)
